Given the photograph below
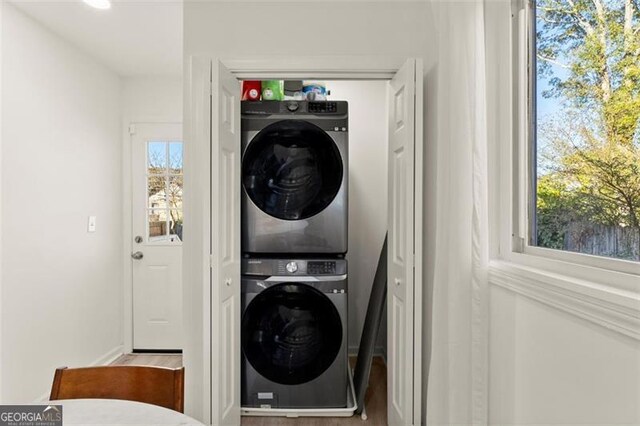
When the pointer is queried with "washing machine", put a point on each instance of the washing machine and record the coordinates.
(293, 333)
(294, 177)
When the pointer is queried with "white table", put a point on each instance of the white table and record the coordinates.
(119, 412)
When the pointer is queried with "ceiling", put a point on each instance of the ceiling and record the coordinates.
(133, 38)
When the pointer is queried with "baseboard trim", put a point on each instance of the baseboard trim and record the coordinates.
(377, 351)
(109, 357)
(105, 359)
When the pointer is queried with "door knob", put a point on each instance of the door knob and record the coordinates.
(137, 255)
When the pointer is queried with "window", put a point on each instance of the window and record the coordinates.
(164, 191)
(585, 129)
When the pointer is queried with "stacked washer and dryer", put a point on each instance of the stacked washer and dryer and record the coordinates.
(294, 239)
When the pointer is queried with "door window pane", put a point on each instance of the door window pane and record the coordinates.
(175, 225)
(175, 192)
(164, 191)
(156, 191)
(157, 157)
(175, 158)
(157, 225)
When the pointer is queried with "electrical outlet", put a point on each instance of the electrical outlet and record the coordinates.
(91, 226)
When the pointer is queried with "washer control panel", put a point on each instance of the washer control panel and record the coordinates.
(321, 268)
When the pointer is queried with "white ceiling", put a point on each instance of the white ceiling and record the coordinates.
(133, 38)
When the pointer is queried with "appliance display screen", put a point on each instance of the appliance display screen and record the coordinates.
(321, 268)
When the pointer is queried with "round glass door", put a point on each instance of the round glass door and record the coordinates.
(292, 170)
(291, 333)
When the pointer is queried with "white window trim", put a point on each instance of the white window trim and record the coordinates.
(614, 309)
(513, 195)
(602, 291)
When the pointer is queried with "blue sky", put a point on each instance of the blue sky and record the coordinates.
(546, 106)
(157, 154)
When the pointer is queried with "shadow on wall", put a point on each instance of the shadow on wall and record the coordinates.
(430, 175)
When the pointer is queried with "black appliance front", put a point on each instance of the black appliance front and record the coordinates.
(291, 333)
(294, 340)
(292, 170)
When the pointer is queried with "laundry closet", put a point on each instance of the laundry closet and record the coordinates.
(291, 201)
(314, 218)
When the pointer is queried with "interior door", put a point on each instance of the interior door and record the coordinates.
(225, 247)
(400, 279)
(157, 216)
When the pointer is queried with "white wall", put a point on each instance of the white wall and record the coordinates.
(152, 99)
(546, 365)
(61, 286)
(227, 28)
(144, 100)
(368, 146)
(384, 28)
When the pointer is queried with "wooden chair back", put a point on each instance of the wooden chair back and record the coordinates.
(153, 385)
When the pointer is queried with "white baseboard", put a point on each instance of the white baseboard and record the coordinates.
(105, 359)
(377, 351)
(109, 357)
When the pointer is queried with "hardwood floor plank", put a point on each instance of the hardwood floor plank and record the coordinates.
(159, 360)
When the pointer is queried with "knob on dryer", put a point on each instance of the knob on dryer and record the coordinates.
(292, 267)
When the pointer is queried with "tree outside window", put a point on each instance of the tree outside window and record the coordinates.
(588, 137)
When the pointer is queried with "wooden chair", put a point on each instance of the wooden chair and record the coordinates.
(153, 385)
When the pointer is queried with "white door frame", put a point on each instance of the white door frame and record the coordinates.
(197, 95)
(127, 220)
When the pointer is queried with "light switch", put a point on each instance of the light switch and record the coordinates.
(91, 227)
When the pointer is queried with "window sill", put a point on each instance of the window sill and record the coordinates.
(605, 305)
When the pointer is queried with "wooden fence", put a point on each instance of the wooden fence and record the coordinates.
(613, 241)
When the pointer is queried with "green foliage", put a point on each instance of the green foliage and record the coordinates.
(589, 51)
(554, 211)
(597, 42)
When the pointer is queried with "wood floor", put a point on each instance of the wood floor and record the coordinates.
(159, 360)
(375, 399)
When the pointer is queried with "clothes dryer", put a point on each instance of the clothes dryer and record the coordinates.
(294, 177)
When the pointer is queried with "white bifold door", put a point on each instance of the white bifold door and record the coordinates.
(225, 246)
(222, 320)
(403, 337)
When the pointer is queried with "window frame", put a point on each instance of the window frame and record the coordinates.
(518, 172)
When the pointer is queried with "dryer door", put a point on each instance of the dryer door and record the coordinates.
(292, 170)
(291, 333)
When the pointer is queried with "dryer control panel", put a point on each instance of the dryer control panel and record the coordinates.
(293, 267)
(267, 108)
(323, 107)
